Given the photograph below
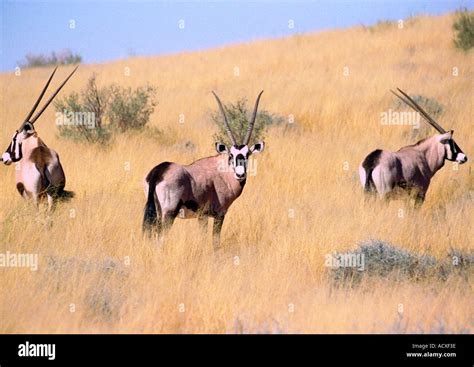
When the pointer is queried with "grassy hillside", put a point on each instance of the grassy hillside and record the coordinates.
(269, 275)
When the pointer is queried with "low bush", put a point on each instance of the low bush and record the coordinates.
(95, 114)
(381, 259)
(238, 115)
(463, 28)
(65, 57)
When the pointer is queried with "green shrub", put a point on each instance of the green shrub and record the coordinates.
(382, 259)
(431, 106)
(385, 261)
(238, 115)
(381, 26)
(96, 113)
(463, 28)
(459, 263)
(91, 102)
(65, 57)
(130, 109)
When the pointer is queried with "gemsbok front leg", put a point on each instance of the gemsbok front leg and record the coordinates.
(203, 223)
(419, 199)
(216, 230)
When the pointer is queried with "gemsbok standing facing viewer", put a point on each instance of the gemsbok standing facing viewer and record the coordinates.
(39, 172)
(412, 167)
(202, 189)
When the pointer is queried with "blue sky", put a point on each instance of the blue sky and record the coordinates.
(108, 30)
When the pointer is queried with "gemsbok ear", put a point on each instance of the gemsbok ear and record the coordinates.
(444, 138)
(257, 147)
(221, 148)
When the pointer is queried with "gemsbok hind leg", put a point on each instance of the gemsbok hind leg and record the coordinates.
(52, 194)
(383, 182)
(168, 219)
(164, 203)
(164, 225)
(419, 199)
(216, 230)
(203, 221)
(170, 206)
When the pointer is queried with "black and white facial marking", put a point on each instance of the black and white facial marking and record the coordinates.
(14, 152)
(238, 157)
(452, 151)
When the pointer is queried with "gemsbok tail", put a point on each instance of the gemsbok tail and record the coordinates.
(152, 214)
(58, 192)
(150, 217)
(369, 164)
(64, 195)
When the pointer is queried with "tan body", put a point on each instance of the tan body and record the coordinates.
(205, 188)
(39, 174)
(410, 169)
(201, 182)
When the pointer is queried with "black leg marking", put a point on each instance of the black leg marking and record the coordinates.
(191, 205)
(203, 220)
(419, 199)
(168, 221)
(169, 217)
(216, 230)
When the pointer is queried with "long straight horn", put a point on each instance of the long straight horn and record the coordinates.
(39, 99)
(35, 117)
(252, 121)
(226, 123)
(410, 102)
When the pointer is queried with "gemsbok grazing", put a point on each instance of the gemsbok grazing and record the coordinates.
(412, 167)
(202, 189)
(39, 172)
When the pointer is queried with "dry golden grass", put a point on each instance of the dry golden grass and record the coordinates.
(270, 264)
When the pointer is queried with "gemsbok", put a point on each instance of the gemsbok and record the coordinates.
(39, 172)
(412, 167)
(202, 189)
